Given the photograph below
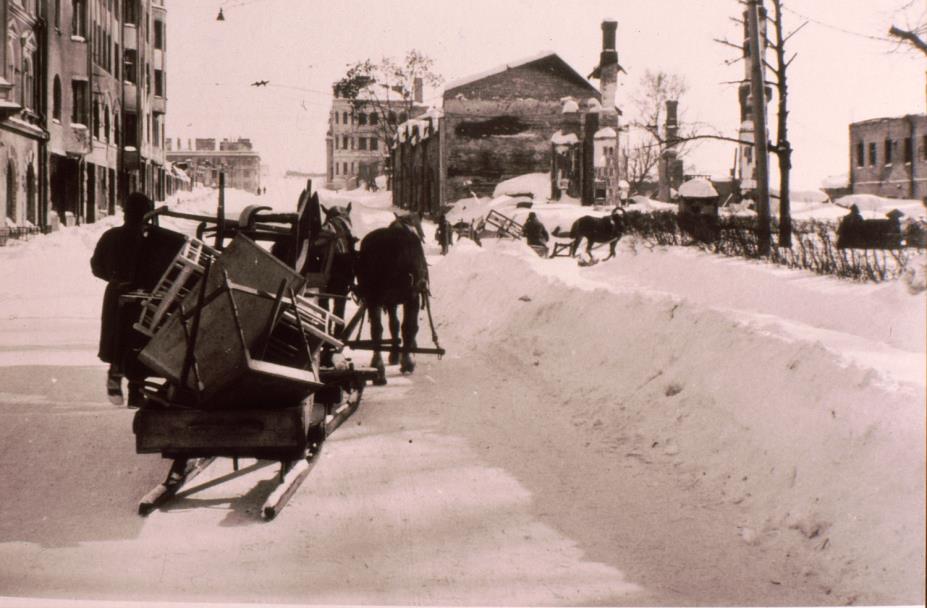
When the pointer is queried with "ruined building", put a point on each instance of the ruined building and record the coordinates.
(534, 115)
(204, 161)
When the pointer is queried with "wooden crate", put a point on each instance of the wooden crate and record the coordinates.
(277, 434)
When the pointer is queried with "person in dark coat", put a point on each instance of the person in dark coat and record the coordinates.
(444, 234)
(536, 234)
(116, 260)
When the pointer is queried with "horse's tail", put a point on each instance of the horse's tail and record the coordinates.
(560, 233)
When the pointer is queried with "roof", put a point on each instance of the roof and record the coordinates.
(499, 69)
(872, 121)
(697, 188)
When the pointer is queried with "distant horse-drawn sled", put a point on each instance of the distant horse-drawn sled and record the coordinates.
(244, 343)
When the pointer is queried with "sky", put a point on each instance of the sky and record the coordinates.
(845, 69)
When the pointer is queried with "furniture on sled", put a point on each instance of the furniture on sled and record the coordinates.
(236, 338)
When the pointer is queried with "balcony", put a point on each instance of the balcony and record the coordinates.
(130, 36)
(158, 104)
(130, 96)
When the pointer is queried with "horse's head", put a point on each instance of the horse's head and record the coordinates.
(411, 222)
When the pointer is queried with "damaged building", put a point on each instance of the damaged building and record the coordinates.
(535, 115)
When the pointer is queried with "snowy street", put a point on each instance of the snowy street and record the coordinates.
(665, 428)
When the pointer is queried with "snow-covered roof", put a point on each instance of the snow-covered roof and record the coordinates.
(605, 133)
(570, 106)
(499, 69)
(561, 138)
(698, 187)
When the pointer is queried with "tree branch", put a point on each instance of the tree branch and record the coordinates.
(910, 37)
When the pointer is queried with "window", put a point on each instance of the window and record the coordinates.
(872, 154)
(889, 145)
(96, 119)
(28, 80)
(362, 143)
(392, 117)
(336, 117)
(860, 155)
(79, 18)
(159, 35)
(908, 150)
(106, 132)
(344, 168)
(159, 83)
(344, 118)
(79, 102)
(403, 117)
(373, 143)
(56, 98)
(131, 129)
(374, 118)
(924, 146)
(351, 140)
(130, 70)
(344, 142)
(57, 13)
(130, 11)
(336, 168)
(362, 119)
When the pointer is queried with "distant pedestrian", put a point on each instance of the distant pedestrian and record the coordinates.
(444, 234)
(536, 234)
(116, 260)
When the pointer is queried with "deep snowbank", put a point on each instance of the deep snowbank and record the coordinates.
(824, 459)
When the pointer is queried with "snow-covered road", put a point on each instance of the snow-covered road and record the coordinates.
(667, 428)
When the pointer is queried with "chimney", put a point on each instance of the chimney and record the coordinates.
(417, 87)
(608, 66)
(672, 124)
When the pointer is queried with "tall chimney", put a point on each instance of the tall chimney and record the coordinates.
(417, 89)
(608, 66)
(672, 123)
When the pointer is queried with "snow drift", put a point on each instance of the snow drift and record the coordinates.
(823, 457)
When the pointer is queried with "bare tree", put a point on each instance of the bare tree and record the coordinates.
(387, 87)
(782, 148)
(914, 32)
(643, 156)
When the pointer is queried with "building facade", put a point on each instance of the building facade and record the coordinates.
(22, 137)
(356, 146)
(82, 107)
(203, 160)
(888, 157)
(536, 115)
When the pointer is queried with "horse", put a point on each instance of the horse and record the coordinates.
(332, 253)
(391, 271)
(608, 229)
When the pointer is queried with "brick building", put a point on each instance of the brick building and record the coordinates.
(888, 156)
(203, 160)
(356, 148)
(82, 107)
(535, 115)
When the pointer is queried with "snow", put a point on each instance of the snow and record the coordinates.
(570, 106)
(535, 184)
(605, 133)
(564, 139)
(698, 187)
(798, 398)
(661, 411)
(875, 207)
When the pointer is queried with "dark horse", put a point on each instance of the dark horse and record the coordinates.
(391, 271)
(332, 254)
(608, 229)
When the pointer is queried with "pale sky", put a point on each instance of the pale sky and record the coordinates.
(303, 46)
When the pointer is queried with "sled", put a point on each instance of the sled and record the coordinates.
(504, 225)
(235, 339)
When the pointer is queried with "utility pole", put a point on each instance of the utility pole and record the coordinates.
(758, 92)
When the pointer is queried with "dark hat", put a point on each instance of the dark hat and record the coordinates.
(136, 206)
